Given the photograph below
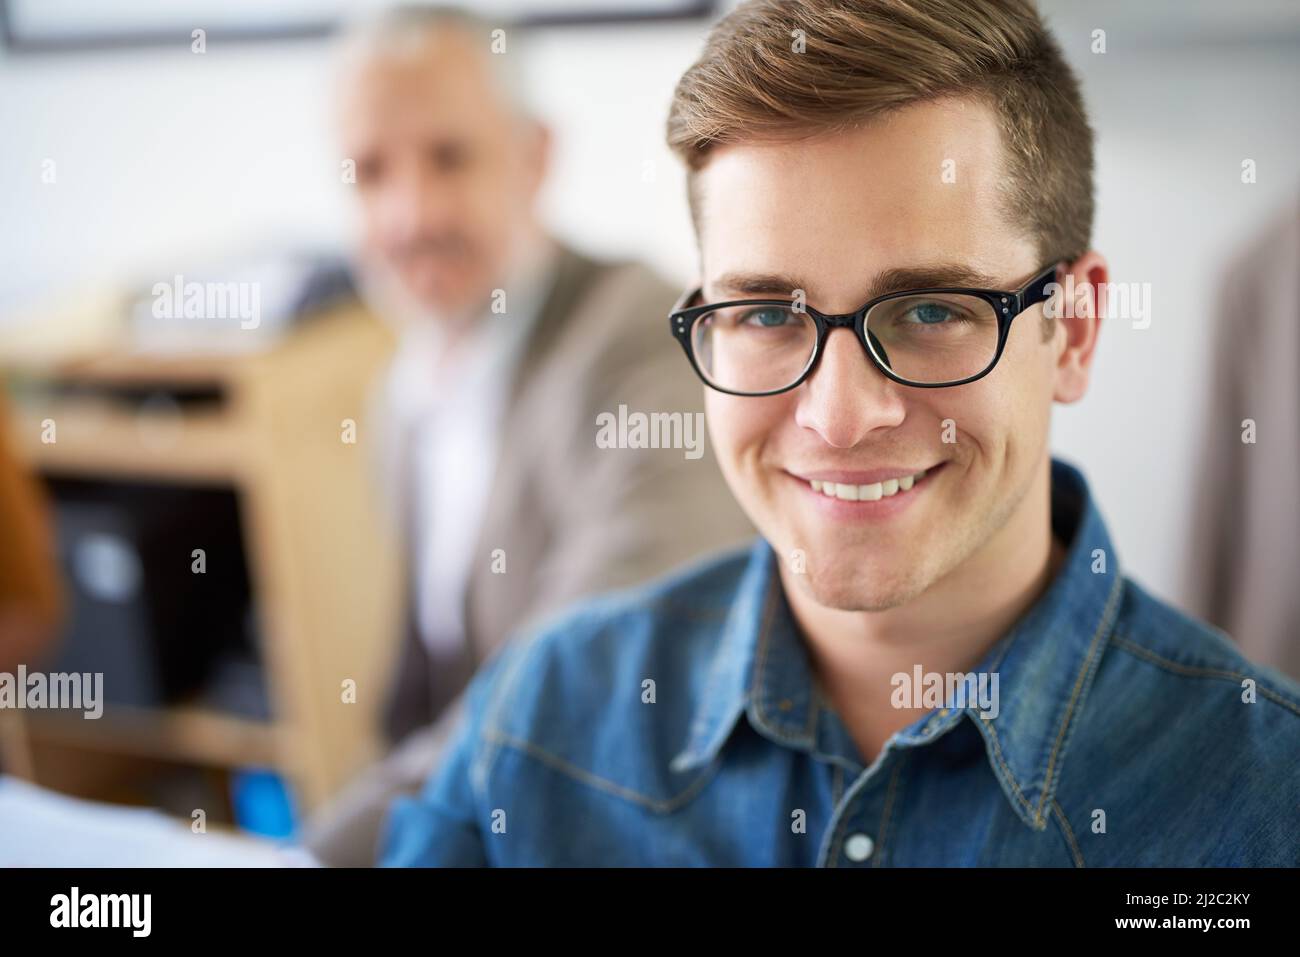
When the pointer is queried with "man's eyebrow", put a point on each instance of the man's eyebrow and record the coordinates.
(757, 284)
(931, 277)
(782, 285)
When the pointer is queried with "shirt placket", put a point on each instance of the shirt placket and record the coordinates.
(858, 833)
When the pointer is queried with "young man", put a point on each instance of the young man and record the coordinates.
(931, 656)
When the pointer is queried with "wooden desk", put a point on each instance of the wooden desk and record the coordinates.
(324, 571)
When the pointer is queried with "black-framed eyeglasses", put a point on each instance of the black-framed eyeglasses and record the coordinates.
(928, 338)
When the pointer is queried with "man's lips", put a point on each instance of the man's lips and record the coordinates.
(867, 477)
(862, 488)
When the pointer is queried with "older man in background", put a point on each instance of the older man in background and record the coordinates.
(513, 349)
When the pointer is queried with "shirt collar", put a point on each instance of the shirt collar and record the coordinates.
(727, 688)
(492, 348)
(1045, 665)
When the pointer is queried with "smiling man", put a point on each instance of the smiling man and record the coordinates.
(885, 195)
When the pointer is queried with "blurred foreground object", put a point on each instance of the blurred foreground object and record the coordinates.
(40, 828)
(29, 590)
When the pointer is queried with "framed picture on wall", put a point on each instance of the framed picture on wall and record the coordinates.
(37, 26)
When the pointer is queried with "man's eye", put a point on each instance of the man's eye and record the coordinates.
(765, 316)
(449, 157)
(930, 314)
(369, 170)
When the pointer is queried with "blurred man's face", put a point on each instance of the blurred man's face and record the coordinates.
(827, 216)
(446, 172)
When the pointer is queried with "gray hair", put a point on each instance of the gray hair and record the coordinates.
(401, 30)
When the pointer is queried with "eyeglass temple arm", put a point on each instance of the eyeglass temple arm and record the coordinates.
(1035, 291)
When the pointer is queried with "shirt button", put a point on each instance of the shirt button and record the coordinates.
(858, 848)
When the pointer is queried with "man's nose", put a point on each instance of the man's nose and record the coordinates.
(397, 214)
(847, 397)
(413, 206)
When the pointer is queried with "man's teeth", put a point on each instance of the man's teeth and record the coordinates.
(867, 493)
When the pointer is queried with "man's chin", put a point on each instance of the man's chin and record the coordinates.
(846, 585)
(438, 298)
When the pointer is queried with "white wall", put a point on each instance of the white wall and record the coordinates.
(164, 151)
(161, 154)
(1179, 99)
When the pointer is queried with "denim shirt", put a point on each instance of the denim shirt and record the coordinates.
(679, 724)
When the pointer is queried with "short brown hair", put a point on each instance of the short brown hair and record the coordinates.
(864, 58)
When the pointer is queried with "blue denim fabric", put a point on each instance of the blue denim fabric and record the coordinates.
(1114, 708)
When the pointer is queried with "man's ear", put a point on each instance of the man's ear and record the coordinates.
(1079, 310)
